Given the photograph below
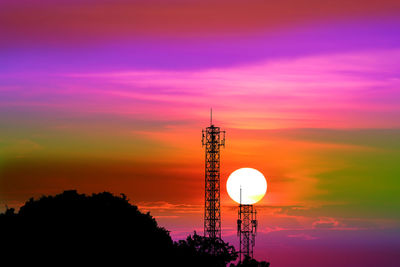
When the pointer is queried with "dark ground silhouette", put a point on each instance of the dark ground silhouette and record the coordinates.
(75, 229)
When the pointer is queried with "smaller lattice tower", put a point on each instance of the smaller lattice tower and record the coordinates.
(213, 138)
(246, 229)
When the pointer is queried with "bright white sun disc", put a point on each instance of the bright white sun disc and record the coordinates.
(246, 186)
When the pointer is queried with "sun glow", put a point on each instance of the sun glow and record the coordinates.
(246, 186)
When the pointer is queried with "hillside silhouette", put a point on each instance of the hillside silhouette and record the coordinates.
(76, 229)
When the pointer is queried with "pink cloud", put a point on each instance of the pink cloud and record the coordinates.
(335, 91)
(325, 223)
(303, 236)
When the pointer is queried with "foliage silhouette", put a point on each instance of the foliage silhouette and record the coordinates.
(72, 227)
(249, 262)
(201, 251)
(75, 229)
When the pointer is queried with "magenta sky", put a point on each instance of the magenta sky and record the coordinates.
(112, 95)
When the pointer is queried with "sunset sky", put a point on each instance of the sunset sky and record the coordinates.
(113, 95)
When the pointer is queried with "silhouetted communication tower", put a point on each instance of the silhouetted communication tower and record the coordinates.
(246, 229)
(212, 141)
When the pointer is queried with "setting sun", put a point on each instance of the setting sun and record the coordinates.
(246, 186)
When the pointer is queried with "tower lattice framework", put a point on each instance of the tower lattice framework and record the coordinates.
(213, 138)
(247, 230)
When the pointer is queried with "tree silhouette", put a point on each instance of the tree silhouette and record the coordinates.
(202, 251)
(101, 229)
(74, 228)
(250, 262)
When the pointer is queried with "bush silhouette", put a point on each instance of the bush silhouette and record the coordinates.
(75, 229)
